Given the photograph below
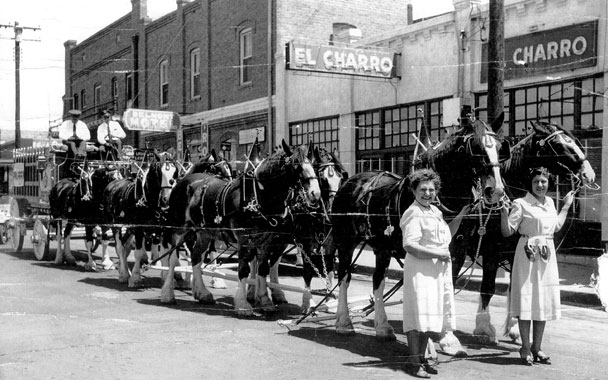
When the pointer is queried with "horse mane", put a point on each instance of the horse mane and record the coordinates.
(274, 166)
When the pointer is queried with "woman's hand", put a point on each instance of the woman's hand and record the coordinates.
(568, 199)
(444, 254)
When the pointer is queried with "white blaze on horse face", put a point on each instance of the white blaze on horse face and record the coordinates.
(491, 149)
(168, 171)
(313, 190)
(333, 178)
(586, 171)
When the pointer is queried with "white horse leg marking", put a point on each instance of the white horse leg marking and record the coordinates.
(199, 291)
(344, 325)
(59, 255)
(484, 330)
(69, 258)
(261, 297)
(90, 265)
(123, 268)
(241, 305)
(167, 294)
(278, 295)
(135, 280)
(216, 283)
(384, 330)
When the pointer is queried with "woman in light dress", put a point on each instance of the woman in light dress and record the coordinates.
(428, 293)
(535, 294)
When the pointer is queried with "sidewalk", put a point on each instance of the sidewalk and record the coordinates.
(575, 277)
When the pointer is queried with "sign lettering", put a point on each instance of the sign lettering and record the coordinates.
(150, 120)
(548, 51)
(341, 60)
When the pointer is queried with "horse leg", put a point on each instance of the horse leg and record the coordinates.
(278, 295)
(196, 248)
(262, 300)
(384, 331)
(135, 280)
(90, 265)
(107, 263)
(59, 255)
(241, 305)
(167, 294)
(123, 268)
(344, 325)
(71, 260)
(484, 330)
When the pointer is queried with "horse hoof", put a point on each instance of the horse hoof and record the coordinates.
(123, 279)
(386, 338)
(70, 260)
(206, 300)
(168, 301)
(135, 283)
(345, 331)
(265, 304)
(244, 312)
(279, 300)
(90, 268)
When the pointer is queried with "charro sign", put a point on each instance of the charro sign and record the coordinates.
(560, 49)
(341, 60)
(150, 120)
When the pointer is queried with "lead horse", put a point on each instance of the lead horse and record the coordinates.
(548, 145)
(248, 211)
(368, 206)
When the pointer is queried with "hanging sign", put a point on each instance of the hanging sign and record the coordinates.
(150, 120)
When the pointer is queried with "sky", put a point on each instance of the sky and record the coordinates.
(42, 52)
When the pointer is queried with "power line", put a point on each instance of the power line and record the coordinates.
(18, 30)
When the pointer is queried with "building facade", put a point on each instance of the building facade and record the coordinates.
(233, 74)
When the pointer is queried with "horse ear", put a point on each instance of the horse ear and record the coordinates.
(310, 150)
(316, 154)
(498, 122)
(286, 148)
(213, 156)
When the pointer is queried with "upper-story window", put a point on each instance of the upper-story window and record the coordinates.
(114, 88)
(75, 102)
(83, 99)
(164, 83)
(246, 55)
(195, 74)
(96, 96)
(129, 87)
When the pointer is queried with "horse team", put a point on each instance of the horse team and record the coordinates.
(302, 196)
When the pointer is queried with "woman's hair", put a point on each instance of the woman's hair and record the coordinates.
(423, 175)
(541, 170)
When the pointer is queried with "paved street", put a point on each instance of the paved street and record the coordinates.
(64, 323)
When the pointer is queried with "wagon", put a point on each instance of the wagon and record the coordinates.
(31, 173)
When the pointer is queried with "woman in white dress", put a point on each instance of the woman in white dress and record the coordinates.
(428, 293)
(534, 294)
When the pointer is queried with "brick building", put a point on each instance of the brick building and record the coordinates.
(214, 63)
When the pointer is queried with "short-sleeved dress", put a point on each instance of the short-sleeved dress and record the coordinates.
(428, 293)
(534, 284)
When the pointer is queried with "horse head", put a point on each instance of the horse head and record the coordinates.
(471, 156)
(168, 177)
(330, 172)
(286, 170)
(558, 150)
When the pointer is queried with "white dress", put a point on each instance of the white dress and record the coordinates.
(535, 291)
(428, 293)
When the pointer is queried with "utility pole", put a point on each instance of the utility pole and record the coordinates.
(496, 59)
(18, 32)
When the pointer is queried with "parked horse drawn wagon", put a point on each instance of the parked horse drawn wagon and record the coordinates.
(32, 172)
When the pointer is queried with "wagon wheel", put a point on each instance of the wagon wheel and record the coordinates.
(3, 233)
(40, 241)
(15, 233)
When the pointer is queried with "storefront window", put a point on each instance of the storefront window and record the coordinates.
(322, 132)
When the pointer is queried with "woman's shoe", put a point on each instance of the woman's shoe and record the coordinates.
(418, 370)
(430, 369)
(541, 357)
(526, 357)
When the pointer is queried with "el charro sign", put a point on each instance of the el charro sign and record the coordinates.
(548, 51)
(341, 60)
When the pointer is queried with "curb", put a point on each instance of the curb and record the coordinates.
(577, 295)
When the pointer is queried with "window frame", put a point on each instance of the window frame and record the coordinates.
(195, 74)
(324, 132)
(163, 72)
(245, 56)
